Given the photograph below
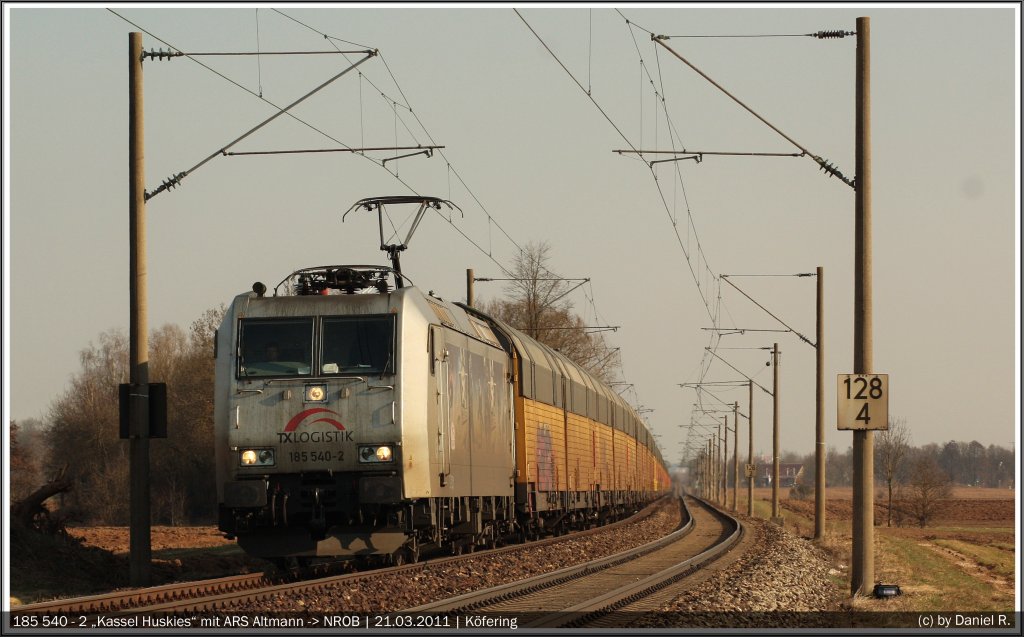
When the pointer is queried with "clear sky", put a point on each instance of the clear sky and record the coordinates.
(528, 156)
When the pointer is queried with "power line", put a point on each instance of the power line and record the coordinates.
(824, 164)
(659, 97)
(407, 105)
(707, 357)
(801, 336)
(172, 182)
(178, 177)
(330, 39)
(707, 303)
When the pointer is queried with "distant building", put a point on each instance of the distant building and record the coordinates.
(789, 474)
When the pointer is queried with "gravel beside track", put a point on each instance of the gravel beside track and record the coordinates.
(779, 580)
(389, 593)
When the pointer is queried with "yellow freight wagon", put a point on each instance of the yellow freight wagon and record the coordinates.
(582, 454)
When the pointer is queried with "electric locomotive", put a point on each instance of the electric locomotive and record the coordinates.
(356, 415)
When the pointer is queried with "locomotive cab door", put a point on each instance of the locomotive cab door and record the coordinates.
(444, 407)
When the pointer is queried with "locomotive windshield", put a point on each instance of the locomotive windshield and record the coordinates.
(284, 347)
(357, 345)
(278, 347)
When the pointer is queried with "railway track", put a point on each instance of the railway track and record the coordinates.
(586, 594)
(142, 597)
(228, 592)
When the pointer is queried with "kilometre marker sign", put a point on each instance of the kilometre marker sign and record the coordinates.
(862, 401)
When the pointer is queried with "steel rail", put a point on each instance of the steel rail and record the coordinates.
(598, 606)
(107, 602)
(225, 591)
(477, 599)
(583, 613)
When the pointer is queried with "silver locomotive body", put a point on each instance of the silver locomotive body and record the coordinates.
(353, 424)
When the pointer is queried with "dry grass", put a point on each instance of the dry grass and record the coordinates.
(964, 562)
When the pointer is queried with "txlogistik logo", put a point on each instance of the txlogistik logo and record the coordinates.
(303, 418)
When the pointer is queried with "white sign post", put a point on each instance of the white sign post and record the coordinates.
(862, 401)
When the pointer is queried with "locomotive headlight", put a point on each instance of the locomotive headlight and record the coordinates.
(375, 453)
(315, 394)
(256, 457)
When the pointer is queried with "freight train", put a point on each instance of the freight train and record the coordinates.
(357, 416)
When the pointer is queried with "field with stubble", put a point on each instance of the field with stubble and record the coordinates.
(963, 560)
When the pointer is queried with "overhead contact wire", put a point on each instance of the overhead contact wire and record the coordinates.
(715, 339)
(702, 257)
(408, 107)
(246, 89)
(621, 134)
(822, 163)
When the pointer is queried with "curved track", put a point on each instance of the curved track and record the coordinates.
(581, 595)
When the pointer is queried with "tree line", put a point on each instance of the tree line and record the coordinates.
(914, 481)
(80, 440)
(963, 463)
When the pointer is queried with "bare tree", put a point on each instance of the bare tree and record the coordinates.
(21, 477)
(891, 448)
(84, 427)
(840, 467)
(536, 302)
(83, 432)
(928, 488)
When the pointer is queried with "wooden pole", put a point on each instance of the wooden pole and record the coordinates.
(863, 563)
(750, 448)
(776, 517)
(735, 455)
(140, 550)
(725, 461)
(819, 424)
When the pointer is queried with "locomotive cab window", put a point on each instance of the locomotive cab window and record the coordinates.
(275, 347)
(358, 345)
